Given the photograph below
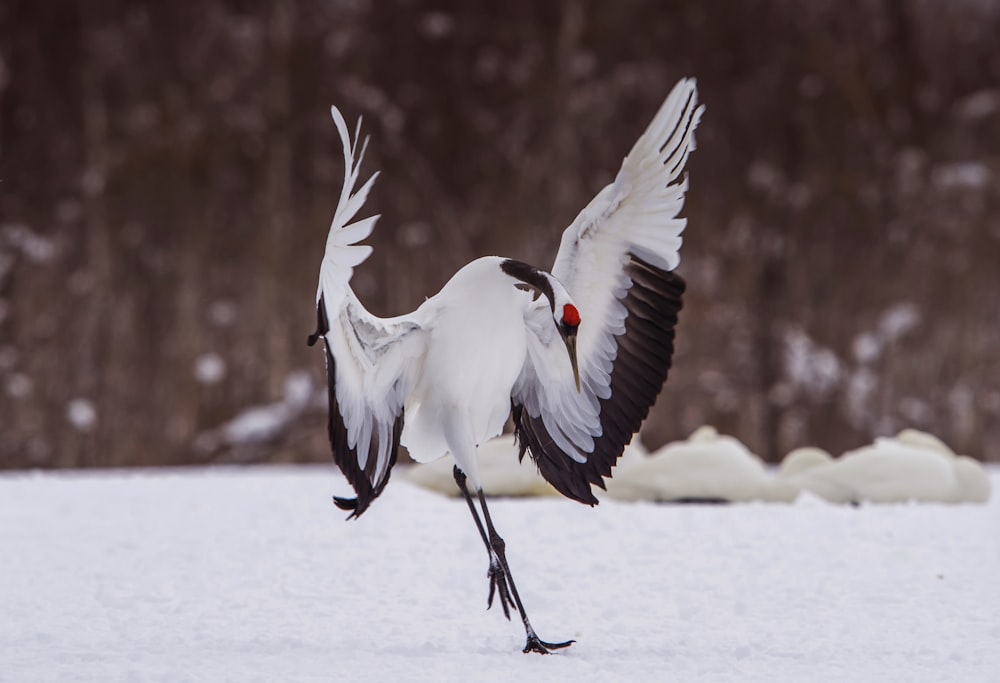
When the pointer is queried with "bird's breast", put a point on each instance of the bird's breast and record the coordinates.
(476, 347)
(476, 356)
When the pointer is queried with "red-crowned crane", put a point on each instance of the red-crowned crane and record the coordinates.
(577, 355)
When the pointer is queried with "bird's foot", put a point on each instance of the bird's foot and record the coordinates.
(499, 587)
(535, 644)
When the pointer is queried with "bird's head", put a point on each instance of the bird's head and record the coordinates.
(565, 314)
(567, 319)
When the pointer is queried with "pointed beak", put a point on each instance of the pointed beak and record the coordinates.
(570, 340)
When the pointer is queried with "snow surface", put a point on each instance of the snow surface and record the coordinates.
(253, 575)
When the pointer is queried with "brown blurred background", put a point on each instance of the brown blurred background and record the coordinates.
(168, 171)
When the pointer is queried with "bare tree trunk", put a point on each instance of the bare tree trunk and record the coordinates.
(278, 208)
(92, 358)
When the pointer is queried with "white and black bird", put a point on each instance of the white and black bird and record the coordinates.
(577, 355)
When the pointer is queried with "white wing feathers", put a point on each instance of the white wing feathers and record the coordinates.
(614, 260)
(367, 356)
(342, 251)
(639, 209)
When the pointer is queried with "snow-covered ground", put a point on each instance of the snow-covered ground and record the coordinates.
(253, 575)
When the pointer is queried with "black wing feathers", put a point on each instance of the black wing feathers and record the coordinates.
(640, 369)
(345, 456)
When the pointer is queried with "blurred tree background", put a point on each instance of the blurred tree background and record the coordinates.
(168, 171)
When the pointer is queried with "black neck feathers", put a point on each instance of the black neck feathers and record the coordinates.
(531, 276)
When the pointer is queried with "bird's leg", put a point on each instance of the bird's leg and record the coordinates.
(497, 548)
(496, 574)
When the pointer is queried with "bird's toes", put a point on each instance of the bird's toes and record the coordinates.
(504, 599)
(535, 644)
(498, 587)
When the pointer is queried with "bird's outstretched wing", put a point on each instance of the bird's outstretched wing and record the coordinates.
(615, 260)
(366, 357)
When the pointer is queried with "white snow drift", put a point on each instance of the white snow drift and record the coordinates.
(911, 466)
(709, 466)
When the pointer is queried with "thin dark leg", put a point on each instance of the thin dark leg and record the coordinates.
(497, 549)
(501, 581)
(460, 479)
(496, 574)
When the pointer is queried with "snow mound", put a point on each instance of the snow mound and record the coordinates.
(912, 466)
(712, 467)
(707, 466)
(802, 459)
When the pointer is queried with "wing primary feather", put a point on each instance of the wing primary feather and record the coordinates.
(322, 324)
(347, 457)
(680, 136)
(362, 478)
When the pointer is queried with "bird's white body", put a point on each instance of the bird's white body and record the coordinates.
(462, 390)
